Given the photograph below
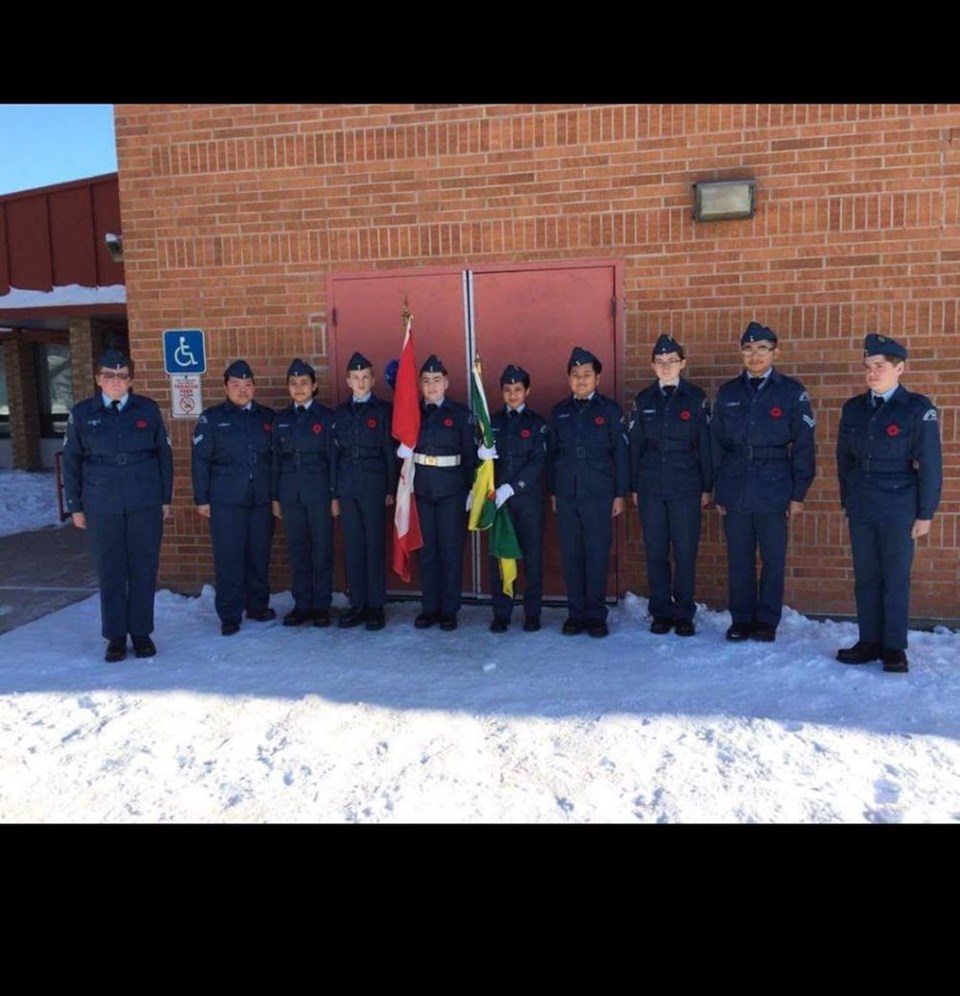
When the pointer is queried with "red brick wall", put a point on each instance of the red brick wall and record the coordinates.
(234, 215)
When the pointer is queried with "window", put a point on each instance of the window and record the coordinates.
(55, 384)
(4, 401)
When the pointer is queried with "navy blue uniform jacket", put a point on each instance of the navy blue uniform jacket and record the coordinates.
(763, 444)
(889, 461)
(113, 461)
(670, 453)
(446, 431)
(522, 451)
(232, 452)
(366, 463)
(303, 461)
(588, 454)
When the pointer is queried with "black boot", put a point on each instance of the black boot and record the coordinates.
(862, 652)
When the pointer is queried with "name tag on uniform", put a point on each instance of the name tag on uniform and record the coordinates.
(224, 425)
(732, 404)
(649, 411)
(563, 414)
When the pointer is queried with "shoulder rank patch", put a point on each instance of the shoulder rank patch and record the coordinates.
(930, 415)
(197, 438)
(809, 420)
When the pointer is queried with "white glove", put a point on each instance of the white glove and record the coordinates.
(504, 492)
(469, 504)
(488, 452)
(404, 451)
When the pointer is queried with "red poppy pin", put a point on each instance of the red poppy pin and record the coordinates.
(371, 423)
(524, 433)
(316, 428)
(268, 427)
(685, 415)
(893, 430)
(141, 423)
(599, 420)
(776, 412)
(448, 422)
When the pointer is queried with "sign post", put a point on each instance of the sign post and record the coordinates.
(185, 359)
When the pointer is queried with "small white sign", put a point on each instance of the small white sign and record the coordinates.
(186, 399)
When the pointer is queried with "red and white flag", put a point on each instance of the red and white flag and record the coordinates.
(406, 428)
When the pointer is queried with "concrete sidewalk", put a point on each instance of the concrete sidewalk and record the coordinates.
(42, 571)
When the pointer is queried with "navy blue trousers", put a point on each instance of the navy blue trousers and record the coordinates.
(671, 522)
(309, 532)
(745, 532)
(586, 531)
(242, 536)
(126, 549)
(527, 515)
(882, 556)
(443, 523)
(364, 543)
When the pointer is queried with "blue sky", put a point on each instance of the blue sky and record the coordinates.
(41, 144)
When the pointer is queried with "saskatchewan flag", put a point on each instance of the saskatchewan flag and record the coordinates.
(484, 514)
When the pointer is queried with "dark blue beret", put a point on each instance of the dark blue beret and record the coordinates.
(358, 362)
(390, 373)
(514, 375)
(300, 368)
(580, 357)
(239, 368)
(433, 366)
(755, 332)
(875, 344)
(113, 359)
(666, 344)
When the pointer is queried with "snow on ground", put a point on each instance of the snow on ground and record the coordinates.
(300, 725)
(27, 501)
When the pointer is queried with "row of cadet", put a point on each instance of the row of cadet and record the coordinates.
(309, 464)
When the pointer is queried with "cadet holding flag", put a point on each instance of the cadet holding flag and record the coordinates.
(302, 490)
(671, 476)
(118, 485)
(444, 457)
(366, 477)
(764, 463)
(589, 475)
(231, 470)
(519, 458)
(889, 466)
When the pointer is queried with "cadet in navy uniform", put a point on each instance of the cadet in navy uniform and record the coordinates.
(366, 477)
(671, 475)
(889, 465)
(445, 457)
(231, 469)
(303, 494)
(589, 476)
(118, 485)
(764, 463)
(520, 436)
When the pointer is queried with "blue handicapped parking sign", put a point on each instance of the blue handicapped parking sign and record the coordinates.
(183, 351)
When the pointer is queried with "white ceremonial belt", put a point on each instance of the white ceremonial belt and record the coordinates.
(437, 461)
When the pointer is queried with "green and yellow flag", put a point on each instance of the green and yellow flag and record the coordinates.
(484, 514)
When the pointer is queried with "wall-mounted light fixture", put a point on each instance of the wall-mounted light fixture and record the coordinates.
(114, 246)
(719, 200)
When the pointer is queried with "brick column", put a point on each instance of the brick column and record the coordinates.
(24, 405)
(86, 346)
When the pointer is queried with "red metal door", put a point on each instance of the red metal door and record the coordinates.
(530, 315)
(367, 316)
(534, 316)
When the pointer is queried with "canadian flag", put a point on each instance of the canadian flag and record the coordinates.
(406, 428)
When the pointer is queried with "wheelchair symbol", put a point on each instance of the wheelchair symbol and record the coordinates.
(183, 354)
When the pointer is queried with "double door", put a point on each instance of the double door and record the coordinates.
(529, 315)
